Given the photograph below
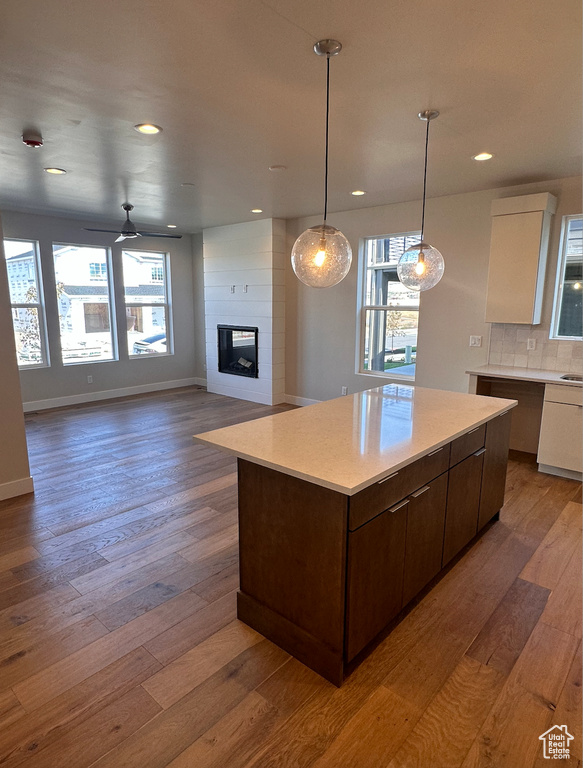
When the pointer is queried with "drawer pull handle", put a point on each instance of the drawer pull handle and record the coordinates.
(397, 507)
(419, 492)
(434, 452)
(384, 480)
(471, 432)
(480, 452)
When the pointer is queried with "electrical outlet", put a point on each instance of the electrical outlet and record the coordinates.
(475, 341)
(344, 390)
(90, 379)
(530, 344)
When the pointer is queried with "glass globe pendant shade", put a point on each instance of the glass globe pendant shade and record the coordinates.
(321, 256)
(420, 267)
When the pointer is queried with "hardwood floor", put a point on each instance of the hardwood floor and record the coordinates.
(119, 644)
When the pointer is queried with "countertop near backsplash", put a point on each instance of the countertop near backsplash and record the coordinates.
(508, 348)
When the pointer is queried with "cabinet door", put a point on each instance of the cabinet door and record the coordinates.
(495, 465)
(516, 264)
(463, 502)
(560, 436)
(424, 546)
(376, 555)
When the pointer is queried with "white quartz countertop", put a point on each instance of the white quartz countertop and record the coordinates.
(351, 442)
(524, 374)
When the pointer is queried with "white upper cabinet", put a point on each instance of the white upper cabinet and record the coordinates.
(518, 257)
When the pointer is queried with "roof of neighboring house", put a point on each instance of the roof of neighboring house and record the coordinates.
(101, 290)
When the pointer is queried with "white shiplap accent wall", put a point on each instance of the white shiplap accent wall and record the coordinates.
(251, 254)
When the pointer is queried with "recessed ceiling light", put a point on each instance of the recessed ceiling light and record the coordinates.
(256, 210)
(358, 192)
(171, 226)
(56, 171)
(148, 128)
(482, 156)
(278, 167)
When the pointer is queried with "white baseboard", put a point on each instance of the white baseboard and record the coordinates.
(571, 474)
(108, 394)
(16, 488)
(294, 400)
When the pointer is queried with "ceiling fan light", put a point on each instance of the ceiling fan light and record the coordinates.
(420, 267)
(321, 256)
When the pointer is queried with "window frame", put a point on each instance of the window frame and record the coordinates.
(363, 308)
(560, 280)
(109, 279)
(167, 304)
(38, 305)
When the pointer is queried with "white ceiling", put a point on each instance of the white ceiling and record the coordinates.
(237, 88)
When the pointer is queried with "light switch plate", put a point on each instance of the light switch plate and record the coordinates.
(475, 341)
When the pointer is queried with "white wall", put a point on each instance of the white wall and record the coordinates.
(14, 470)
(252, 255)
(322, 324)
(198, 299)
(58, 384)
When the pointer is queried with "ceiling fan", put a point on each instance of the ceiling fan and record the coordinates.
(129, 230)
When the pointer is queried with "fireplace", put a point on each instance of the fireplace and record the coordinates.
(238, 350)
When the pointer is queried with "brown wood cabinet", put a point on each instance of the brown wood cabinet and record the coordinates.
(379, 496)
(424, 545)
(322, 573)
(463, 502)
(495, 465)
(376, 556)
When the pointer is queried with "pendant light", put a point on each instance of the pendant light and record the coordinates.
(321, 256)
(421, 266)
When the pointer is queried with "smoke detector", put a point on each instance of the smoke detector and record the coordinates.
(32, 139)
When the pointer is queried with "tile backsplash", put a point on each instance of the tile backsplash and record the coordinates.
(508, 347)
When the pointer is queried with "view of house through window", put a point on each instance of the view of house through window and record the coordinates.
(390, 311)
(26, 300)
(568, 308)
(84, 302)
(147, 302)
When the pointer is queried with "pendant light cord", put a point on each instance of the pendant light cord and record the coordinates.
(425, 181)
(327, 122)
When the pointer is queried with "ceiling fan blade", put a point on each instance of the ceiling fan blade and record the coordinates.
(109, 231)
(159, 234)
(120, 238)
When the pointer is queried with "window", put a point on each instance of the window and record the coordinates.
(390, 311)
(26, 299)
(567, 309)
(98, 270)
(84, 307)
(146, 292)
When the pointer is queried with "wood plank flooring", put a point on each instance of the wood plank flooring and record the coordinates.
(119, 643)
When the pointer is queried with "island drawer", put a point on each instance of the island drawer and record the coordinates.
(464, 446)
(371, 501)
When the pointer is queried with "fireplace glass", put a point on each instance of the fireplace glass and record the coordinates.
(238, 350)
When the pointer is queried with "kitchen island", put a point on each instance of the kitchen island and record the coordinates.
(349, 508)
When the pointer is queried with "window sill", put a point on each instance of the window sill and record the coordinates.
(392, 377)
(148, 356)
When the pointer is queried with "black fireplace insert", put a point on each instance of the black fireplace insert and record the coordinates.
(238, 350)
